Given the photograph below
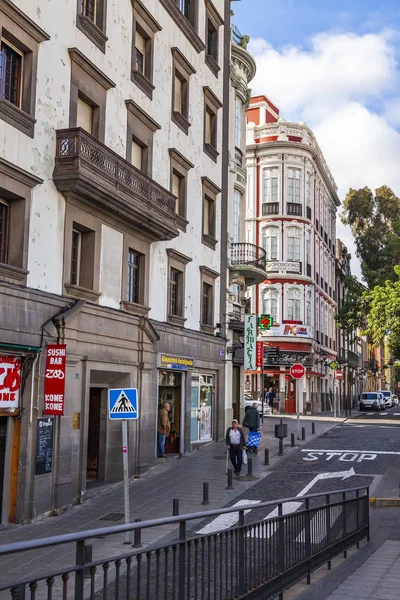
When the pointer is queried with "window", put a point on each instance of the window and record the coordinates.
(293, 308)
(207, 304)
(270, 239)
(293, 183)
(212, 40)
(91, 20)
(271, 185)
(237, 217)
(133, 292)
(140, 53)
(294, 248)
(10, 73)
(270, 304)
(82, 256)
(182, 70)
(308, 189)
(211, 107)
(308, 248)
(145, 27)
(84, 116)
(308, 313)
(210, 192)
(20, 38)
(4, 212)
(238, 122)
(185, 15)
(179, 178)
(137, 155)
(75, 256)
(176, 286)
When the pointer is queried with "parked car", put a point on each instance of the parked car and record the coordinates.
(249, 401)
(369, 400)
(388, 398)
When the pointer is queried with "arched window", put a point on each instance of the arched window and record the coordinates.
(270, 242)
(270, 303)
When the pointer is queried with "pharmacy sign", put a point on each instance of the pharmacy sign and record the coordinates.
(250, 337)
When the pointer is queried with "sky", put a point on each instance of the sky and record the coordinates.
(334, 65)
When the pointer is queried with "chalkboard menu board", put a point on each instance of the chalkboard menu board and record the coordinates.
(44, 446)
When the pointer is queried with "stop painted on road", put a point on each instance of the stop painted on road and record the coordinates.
(326, 456)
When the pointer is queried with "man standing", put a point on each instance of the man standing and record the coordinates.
(163, 429)
(235, 442)
(252, 422)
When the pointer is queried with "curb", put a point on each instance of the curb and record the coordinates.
(384, 502)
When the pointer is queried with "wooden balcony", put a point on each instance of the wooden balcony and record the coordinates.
(92, 172)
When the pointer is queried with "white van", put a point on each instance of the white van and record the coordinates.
(371, 400)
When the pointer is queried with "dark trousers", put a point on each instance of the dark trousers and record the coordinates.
(235, 454)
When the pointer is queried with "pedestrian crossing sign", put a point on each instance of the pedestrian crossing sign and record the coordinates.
(122, 403)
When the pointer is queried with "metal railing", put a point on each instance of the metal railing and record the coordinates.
(245, 254)
(270, 208)
(255, 559)
(293, 208)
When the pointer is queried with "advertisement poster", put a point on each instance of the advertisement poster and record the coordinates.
(10, 381)
(54, 379)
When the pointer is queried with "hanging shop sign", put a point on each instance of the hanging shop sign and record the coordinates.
(54, 379)
(287, 358)
(259, 353)
(250, 336)
(178, 363)
(10, 381)
(287, 330)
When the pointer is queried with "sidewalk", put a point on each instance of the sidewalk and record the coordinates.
(150, 497)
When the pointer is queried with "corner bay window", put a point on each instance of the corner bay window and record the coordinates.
(4, 210)
(133, 286)
(10, 73)
(293, 185)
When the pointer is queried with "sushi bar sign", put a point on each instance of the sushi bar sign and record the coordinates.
(54, 379)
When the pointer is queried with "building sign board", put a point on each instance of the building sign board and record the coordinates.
(250, 336)
(288, 330)
(288, 358)
(54, 379)
(282, 267)
(259, 352)
(178, 363)
(10, 381)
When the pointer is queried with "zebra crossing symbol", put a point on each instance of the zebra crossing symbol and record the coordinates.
(122, 403)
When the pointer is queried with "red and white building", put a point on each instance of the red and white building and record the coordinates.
(291, 212)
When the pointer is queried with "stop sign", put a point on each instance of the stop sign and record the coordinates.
(339, 375)
(297, 371)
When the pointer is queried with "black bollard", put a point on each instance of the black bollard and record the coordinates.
(280, 447)
(137, 539)
(313, 428)
(249, 466)
(292, 440)
(230, 474)
(205, 493)
(266, 459)
(175, 507)
(303, 433)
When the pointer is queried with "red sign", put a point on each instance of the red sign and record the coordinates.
(10, 381)
(54, 379)
(297, 371)
(259, 354)
(339, 375)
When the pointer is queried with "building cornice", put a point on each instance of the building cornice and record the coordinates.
(244, 60)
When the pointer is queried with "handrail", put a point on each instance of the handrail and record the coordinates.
(115, 529)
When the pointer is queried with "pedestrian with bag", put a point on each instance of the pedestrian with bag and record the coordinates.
(235, 443)
(251, 421)
(163, 429)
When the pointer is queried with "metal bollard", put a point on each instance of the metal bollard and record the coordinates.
(175, 507)
(205, 494)
(249, 466)
(230, 477)
(292, 442)
(313, 428)
(280, 448)
(137, 537)
(303, 433)
(266, 458)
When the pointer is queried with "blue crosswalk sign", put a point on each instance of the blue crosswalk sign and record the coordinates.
(123, 403)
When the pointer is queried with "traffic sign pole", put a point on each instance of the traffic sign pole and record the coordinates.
(298, 407)
(125, 461)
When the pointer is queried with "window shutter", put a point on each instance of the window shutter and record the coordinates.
(84, 117)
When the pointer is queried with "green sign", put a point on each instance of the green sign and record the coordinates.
(333, 365)
(265, 322)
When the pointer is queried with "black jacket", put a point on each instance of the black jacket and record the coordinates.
(252, 418)
(242, 438)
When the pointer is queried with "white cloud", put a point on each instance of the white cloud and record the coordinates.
(328, 86)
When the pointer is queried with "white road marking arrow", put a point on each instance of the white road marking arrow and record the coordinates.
(341, 474)
(227, 520)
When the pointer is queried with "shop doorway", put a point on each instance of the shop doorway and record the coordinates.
(169, 390)
(290, 397)
(201, 407)
(3, 441)
(93, 448)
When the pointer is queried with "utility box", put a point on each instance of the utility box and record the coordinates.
(281, 431)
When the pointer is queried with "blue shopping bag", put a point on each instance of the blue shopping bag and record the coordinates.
(254, 438)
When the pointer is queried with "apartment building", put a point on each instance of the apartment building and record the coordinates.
(111, 161)
(291, 212)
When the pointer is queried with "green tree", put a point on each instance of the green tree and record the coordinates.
(352, 311)
(374, 219)
(383, 320)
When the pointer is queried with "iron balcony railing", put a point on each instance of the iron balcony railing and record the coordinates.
(293, 208)
(270, 208)
(244, 254)
(257, 558)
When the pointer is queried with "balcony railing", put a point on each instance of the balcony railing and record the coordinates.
(270, 208)
(85, 166)
(308, 270)
(309, 213)
(292, 208)
(244, 254)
